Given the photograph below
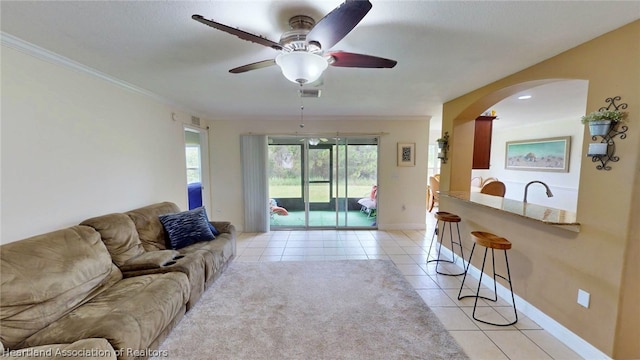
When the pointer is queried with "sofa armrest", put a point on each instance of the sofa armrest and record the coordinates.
(224, 227)
(93, 348)
(149, 260)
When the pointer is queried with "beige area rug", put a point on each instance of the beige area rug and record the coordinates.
(354, 309)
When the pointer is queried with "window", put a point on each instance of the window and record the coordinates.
(194, 172)
(433, 163)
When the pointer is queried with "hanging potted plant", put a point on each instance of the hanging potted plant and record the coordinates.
(441, 143)
(600, 122)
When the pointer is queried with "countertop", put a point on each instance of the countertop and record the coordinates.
(543, 214)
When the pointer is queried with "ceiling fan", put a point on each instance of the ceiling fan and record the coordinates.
(313, 141)
(304, 49)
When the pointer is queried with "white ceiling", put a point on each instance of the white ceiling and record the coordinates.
(551, 102)
(444, 49)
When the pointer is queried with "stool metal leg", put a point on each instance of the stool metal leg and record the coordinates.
(459, 244)
(466, 270)
(441, 235)
(453, 252)
(435, 231)
(495, 286)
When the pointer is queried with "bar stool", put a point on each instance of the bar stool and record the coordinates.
(493, 242)
(446, 218)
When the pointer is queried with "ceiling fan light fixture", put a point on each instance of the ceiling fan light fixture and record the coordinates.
(301, 67)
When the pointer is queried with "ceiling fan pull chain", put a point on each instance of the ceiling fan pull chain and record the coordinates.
(301, 109)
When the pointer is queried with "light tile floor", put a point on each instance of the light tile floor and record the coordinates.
(408, 250)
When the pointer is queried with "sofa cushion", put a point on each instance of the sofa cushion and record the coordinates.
(220, 250)
(150, 229)
(46, 276)
(194, 265)
(131, 314)
(150, 260)
(187, 227)
(119, 234)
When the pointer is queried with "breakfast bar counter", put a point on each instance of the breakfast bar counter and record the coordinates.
(546, 215)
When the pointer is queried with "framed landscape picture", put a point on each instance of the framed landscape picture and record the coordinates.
(551, 154)
(406, 154)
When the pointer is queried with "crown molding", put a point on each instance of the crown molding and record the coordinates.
(18, 44)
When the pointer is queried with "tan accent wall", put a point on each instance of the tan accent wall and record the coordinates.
(551, 264)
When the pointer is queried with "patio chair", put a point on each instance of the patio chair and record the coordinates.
(274, 209)
(368, 205)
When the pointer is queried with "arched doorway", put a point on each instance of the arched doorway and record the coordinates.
(551, 109)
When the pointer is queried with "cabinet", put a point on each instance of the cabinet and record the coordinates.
(482, 142)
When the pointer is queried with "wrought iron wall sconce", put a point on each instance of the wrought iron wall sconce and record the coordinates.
(443, 147)
(605, 150)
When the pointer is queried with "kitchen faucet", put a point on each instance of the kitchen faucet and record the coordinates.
(526, 189)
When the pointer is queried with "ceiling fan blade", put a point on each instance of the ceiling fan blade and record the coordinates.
(237, 32)
(253, 66)
(347, 59)
(338, 23)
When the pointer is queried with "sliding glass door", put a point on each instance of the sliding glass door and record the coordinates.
(357, 182)
(322, 182)
(321, 204)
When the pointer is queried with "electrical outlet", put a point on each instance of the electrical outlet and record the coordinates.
(583, 298)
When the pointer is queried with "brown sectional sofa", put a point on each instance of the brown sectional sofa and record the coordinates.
(111, 278)
(152, 235)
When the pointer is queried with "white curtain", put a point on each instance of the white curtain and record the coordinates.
(254, 181)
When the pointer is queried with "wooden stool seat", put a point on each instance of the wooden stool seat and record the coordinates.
(493, 242)
(490, 241)
(447, 217)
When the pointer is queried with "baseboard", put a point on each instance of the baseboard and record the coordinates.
(564, 335)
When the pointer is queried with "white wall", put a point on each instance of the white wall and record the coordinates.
(398, 186)
(75, 146)
(563, 185)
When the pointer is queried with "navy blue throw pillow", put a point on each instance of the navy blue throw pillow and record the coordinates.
(213, 228)
(187, 227)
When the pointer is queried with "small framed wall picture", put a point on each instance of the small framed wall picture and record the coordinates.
(406, 154)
